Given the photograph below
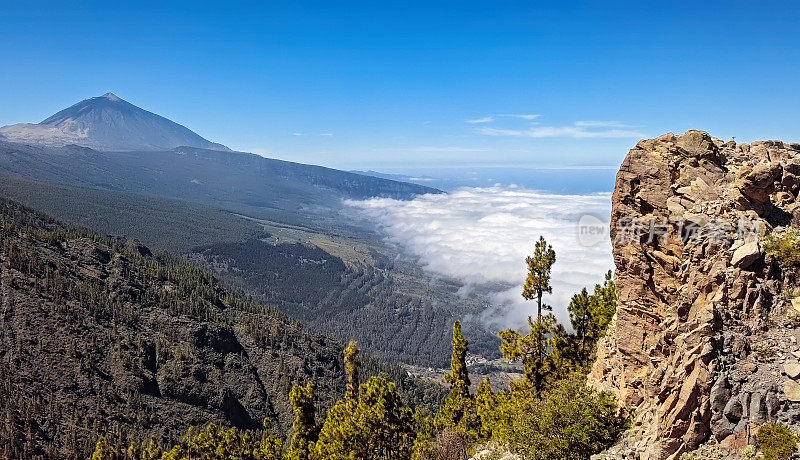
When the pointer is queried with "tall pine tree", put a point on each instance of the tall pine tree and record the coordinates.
(538, 281)
(458, 378)
(304, 430)
(534, 349)
(458, 412)
(351, 367)
(580, 316)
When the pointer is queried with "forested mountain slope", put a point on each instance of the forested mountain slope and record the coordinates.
(235, 179)
(391, 306)
(221, 205)
(100, 337)
(159, 223)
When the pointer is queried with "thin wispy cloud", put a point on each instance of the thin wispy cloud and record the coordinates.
(579, 130)
(433, 149)
(582, 129)
(602, 124)
(500, 132)
(524, 116)
(481, 237)
(298, 134)
(488, 119)
(491, 118)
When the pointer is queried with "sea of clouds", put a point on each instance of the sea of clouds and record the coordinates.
(481, 237)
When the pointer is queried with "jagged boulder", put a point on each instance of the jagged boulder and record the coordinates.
(745, 255)
(698, 346)
(792, 369)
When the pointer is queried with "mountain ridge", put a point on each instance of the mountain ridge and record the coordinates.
(109, 123)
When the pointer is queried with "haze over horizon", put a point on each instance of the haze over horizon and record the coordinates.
(385, 87)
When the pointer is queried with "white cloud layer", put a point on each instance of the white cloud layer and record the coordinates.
(481, 236)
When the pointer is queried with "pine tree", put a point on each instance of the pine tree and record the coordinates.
(581, 318)
(603, 307)
(351, 367)
(304, 429)
(536, 350)
(271, 446)
(458, 378)
(538, 280)
(458, 412)
(590, 315)
(103, 451)
(492, 409)
(150, 450)
(375, 426)
(533, 349)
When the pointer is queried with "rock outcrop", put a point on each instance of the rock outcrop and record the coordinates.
(702, 349)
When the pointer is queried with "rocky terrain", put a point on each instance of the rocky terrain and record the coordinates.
(704, 347)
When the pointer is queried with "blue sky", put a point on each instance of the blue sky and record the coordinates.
(394, 85)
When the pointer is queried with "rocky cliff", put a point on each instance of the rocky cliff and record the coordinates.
(704, 345)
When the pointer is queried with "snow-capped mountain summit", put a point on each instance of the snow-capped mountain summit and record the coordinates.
(107, 123)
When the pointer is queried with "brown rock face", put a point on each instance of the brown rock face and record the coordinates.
(696, 348)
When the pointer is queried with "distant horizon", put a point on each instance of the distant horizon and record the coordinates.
(435, 170)
(447, 177)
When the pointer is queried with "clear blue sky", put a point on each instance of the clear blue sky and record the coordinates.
(388, 85)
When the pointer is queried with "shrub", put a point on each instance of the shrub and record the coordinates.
(748, 453)
(572, 421)
(793, 317)
(763, 351)
(776, 441)
(449, 445)
(784, 246)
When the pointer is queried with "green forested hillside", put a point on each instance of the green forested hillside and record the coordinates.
(368, 303)
(100, 337)
(393, 309)
(160, 223)
(243, 181)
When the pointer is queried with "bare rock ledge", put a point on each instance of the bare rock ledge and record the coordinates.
(695, 351)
